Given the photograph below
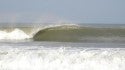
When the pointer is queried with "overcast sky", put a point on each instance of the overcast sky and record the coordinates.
(76, 11)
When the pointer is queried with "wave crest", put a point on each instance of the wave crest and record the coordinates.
(16, 34)
(65, 33)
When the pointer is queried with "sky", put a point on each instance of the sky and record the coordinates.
(57, 11)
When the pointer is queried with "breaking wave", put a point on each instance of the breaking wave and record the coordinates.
(16, 34)
(23, 33)
(64, 33)
(75, 33)
(62, 59)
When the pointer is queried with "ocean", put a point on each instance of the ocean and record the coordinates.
(63, 47)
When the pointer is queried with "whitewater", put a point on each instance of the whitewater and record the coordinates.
(62, 47)
(23, 33)
(61, 56)
(15, 34)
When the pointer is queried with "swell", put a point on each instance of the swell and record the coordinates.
(64, 33)
(79, 34)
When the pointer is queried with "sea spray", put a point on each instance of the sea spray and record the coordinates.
(62, 59)
(16, 34)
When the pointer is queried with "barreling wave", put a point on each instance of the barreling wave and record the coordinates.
(23, 33)
(80, 34)
(64, 33)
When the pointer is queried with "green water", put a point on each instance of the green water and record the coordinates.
(78, 34)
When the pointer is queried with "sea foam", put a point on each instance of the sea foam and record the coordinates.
(62, 59)
(16, 34)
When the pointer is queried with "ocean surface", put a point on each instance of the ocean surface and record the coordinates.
(63, 47)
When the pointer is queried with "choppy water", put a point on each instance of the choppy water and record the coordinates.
(61, 56)
(100, 49)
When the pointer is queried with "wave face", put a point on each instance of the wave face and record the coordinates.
(80, 34)
(61, 59)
